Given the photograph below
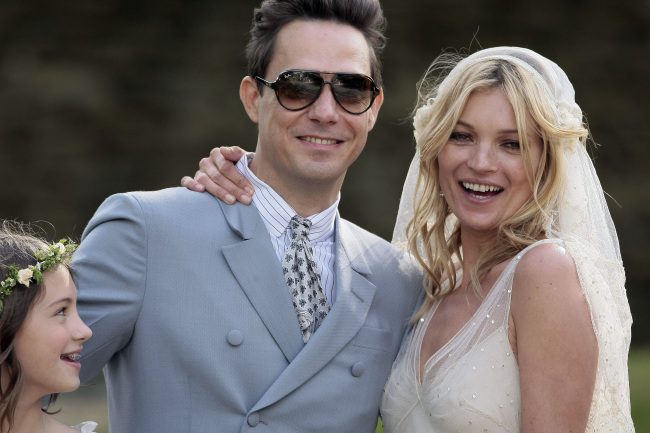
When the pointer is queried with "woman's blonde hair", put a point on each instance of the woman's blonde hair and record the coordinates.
(433, 233)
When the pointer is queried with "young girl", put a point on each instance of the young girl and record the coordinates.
(41, 334)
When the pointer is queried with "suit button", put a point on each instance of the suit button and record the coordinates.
(253, 419)
(358, 369)
(235, 337)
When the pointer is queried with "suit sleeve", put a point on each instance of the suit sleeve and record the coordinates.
(109, 270)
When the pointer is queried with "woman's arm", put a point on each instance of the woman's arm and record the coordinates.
(555, 342)
(218, 176)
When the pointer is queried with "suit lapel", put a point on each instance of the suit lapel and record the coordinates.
(255, 266)
(354, 297)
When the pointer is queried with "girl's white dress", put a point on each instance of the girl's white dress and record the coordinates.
(86, 427)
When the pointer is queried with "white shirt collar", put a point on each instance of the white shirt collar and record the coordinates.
(277, 213)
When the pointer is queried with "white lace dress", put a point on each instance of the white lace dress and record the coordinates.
(86, 427)
(471, 384)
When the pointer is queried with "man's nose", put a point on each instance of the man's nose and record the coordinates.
(325, 108)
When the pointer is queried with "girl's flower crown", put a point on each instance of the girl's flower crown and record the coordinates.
(46, 260)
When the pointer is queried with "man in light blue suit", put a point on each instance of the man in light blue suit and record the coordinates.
(192, 318)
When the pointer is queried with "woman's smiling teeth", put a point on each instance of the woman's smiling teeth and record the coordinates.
(481, 191)
(318, 140)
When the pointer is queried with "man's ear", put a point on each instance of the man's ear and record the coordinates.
(250, 96)
(374, 110)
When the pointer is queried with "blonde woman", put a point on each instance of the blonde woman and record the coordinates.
(526, 325)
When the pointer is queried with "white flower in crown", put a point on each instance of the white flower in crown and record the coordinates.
(421, 119)
(570, 116)
(24, 275)
(60, 247)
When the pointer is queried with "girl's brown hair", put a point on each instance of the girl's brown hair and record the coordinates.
(18, 246)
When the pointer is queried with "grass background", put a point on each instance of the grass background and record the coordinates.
(89, 402)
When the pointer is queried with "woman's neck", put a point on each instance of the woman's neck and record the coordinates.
(472, 248)
(473, 244)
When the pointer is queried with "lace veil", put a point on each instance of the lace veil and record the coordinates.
(582, 220)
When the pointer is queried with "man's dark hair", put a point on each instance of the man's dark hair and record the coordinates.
(272, 15)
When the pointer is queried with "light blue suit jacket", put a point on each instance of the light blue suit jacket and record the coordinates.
(194, 323)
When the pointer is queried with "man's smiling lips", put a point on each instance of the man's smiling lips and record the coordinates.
(316, 140)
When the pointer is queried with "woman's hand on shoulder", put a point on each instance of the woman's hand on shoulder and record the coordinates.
(218, 176)
(556, 345)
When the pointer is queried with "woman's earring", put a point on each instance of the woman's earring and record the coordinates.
(441, 194)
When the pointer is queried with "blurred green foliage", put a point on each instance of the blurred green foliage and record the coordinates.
(639, 365)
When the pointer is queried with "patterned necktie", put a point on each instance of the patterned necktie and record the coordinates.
(303, 278)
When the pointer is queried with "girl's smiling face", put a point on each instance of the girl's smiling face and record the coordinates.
(51, 338)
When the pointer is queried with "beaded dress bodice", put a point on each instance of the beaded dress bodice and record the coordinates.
(471, 384)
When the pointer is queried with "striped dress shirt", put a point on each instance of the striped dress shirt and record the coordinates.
(277, 213)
